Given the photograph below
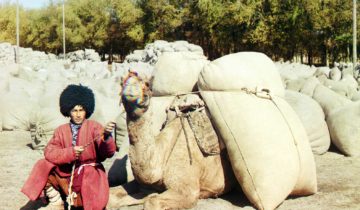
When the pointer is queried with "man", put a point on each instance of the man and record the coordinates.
(72, 166)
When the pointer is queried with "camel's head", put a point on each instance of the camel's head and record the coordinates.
(135, 95)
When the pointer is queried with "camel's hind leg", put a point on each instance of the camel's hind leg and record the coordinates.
(171, 199)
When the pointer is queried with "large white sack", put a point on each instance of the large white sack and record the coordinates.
(120, 70)
(335, 74)
(12, 69)
(328, 99)
(322, 70)
(313, 119)
(93, 70)
(51, 95)
(15, 110)
(309, 86)
(34, 88)
(107, 87)
(43, 122)
(295, 85)
(177, 72)
(4, 81)
(42, 75)
(106, 108)
(349, 80)
(26, 73)
(250, 70)
(340, 87)
(294, 71)
(344, 128)
(158, 107)
(356, 96)
(268, 149)
(266, 141)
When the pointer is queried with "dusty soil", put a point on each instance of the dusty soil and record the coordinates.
(338, 180)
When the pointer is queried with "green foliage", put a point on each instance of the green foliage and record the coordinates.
(283, 29)
(161, 18)
(7, 23)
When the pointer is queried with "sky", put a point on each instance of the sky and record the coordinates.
(28, 4)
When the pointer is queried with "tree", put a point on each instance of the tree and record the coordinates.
(161, 19)
(43, 33)
(124, 28)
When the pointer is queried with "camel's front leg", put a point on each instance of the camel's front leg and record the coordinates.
(126, 194)
(171, 199)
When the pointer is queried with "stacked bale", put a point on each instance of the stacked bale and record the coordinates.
(30, 91)
(170, 80)
(26, 56)
(7, 54)
(80, 55)
(335, 90)
(328, 99)
(153, 51)
(266, 141)
(144, 61)
(313, 119)
(344, 128)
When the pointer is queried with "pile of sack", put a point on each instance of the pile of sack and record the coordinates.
(336, 91)
(268, 145)
(30, 97)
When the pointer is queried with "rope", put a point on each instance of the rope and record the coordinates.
(72, 195)
(70, 199)
(177, 137)
(262, 93)
(187, 138)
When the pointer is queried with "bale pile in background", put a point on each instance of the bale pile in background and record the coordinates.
(336, 90)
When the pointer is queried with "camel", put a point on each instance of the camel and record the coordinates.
(170, 163)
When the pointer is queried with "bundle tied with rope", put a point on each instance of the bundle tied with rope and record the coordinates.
(191, 108)
(267, 144)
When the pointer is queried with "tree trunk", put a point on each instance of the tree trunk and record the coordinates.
(310, 58)
(324, 61)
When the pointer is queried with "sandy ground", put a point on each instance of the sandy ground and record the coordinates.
(338, 181)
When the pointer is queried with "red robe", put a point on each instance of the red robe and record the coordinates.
(59, 153)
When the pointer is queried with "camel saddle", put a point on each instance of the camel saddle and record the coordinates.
(204, 132)
(192, 107)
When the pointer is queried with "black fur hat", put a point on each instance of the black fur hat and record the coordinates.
(74, 95)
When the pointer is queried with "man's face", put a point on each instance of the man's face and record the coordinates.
(77, 114)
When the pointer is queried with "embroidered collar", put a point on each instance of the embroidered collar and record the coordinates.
(74, 130)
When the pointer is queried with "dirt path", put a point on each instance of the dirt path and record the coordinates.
(338, 181)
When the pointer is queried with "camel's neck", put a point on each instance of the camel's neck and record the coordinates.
(147, 152)
(139, 128)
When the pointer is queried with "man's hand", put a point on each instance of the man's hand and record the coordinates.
(109, 127)
(78, 151)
